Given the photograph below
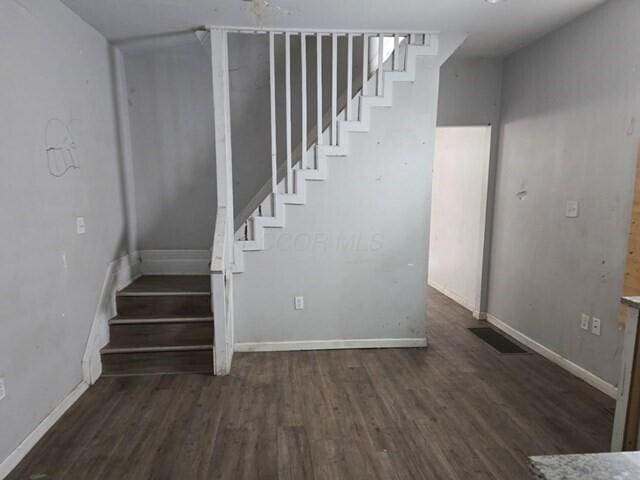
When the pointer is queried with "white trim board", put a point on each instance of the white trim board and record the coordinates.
(453, 296)
(120, 273)
(174, 262)
(330, 344)
(43, 427)
(556, 358)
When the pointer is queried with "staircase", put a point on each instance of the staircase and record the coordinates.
(333, 141)
(164, 325)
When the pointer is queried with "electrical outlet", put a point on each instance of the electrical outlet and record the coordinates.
(3, 390)
(584, 323)
(595, 326)
(80, 226)
(298, 303)
(572, 209)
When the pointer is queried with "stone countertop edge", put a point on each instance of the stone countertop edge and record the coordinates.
(598, 466)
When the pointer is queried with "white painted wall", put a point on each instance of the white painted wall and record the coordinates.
(357, 251)
(569, 131)
(458, 212)
(471, 94)
(171, 114)
(54, 66)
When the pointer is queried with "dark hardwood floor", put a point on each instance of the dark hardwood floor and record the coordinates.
(455, 410)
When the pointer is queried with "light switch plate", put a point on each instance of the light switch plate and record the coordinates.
(298, 303)
(595, 326)
(80, 226)
(573, 209)
(3, 390)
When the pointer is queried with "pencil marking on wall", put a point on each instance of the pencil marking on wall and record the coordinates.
(60, 148)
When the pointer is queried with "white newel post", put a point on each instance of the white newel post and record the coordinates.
(223, 251)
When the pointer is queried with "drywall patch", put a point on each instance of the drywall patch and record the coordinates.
(522, 194)
(631, 127)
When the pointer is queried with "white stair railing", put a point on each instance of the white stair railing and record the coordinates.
(386, 57)
(383, 49)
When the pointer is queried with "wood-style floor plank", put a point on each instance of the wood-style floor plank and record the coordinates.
(455, 410)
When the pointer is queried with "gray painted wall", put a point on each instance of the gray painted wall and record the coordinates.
(357, 251)
(470, 91)
(51, 278)
(569, 132)
(170, 104)
(171, 113)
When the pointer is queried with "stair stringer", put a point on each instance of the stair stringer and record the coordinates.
(322, 152)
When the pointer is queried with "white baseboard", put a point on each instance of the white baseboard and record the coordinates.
(331, 344)
(455, 297)
(174, 262)
(43, 427)
(120, 273)
(556, 358)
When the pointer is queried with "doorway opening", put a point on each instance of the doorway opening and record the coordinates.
(457, 246)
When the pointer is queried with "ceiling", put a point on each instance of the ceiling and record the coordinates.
(494, 29)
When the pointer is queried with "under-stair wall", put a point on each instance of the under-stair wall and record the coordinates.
(357, 250)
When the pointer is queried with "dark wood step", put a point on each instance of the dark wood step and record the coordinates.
(169, 284)
(112, 349)
(164, 325)
(157, 362)
(163, 304)
(161, 334)
(121, 320)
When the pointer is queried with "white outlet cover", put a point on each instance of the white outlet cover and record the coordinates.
(595, 326)
(3, 390)
(584, 323)
(298, 303)
(573, 209)
(80, 226)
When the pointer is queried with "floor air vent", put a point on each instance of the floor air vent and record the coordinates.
(498, 341)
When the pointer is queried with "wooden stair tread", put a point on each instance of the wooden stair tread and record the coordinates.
(160, 293)
(163, 305)
(115, 348)
(164, 325)
(169, 285)
(150, 319)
